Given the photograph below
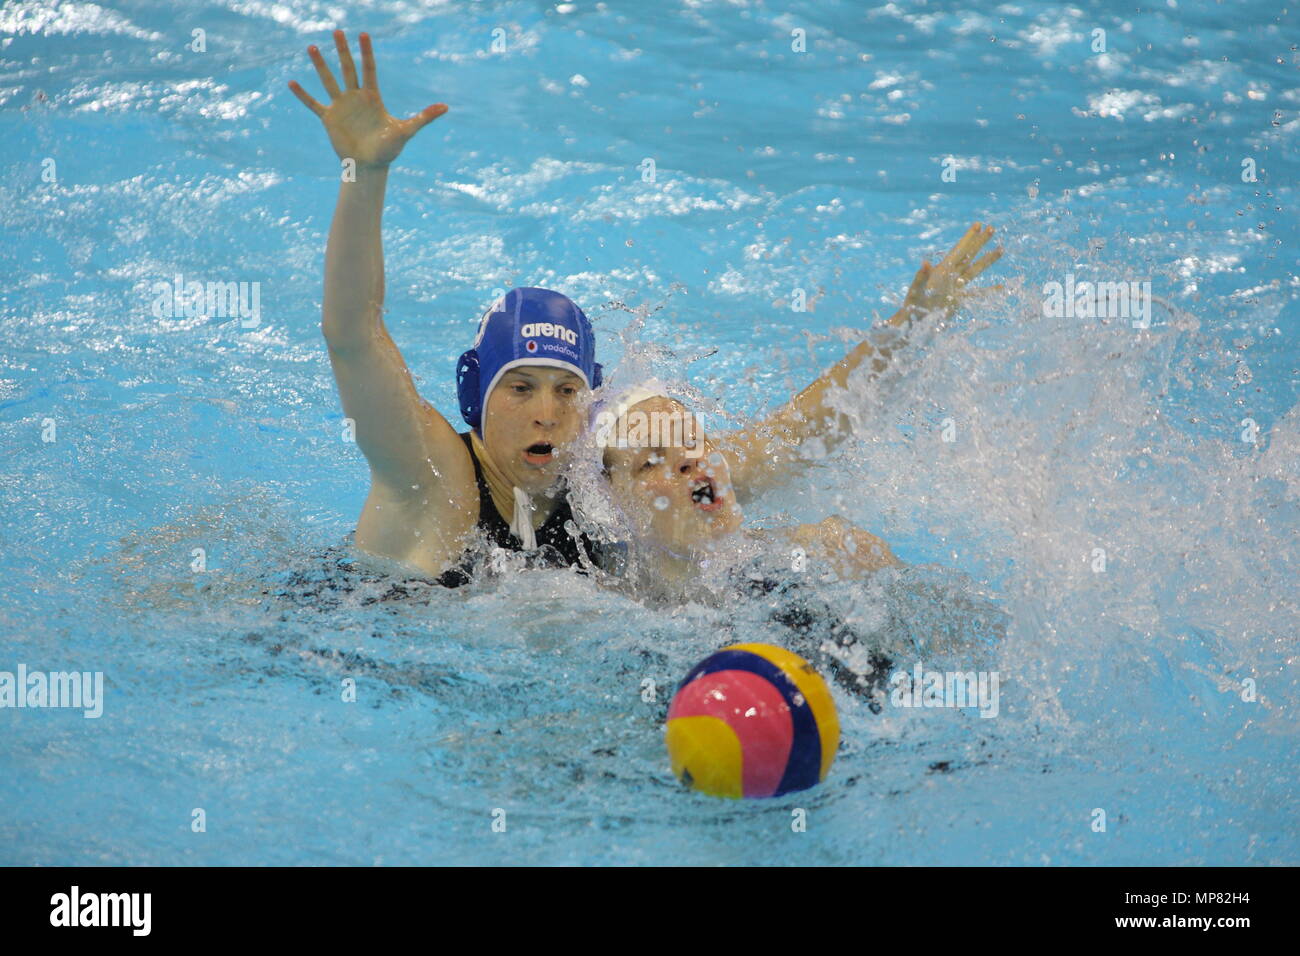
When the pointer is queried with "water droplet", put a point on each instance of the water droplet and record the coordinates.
(661, 503)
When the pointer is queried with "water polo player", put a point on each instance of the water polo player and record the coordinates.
(669, 499)
(522, 387)
(675, 509)
(676, 491)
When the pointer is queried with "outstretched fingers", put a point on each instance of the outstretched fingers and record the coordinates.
(915, 293)
(306, 98)
(982, 235)
(985, 236)
(918, 284)
(961, 249)
(345, 60)
(323, 71)
(368, 76)
(426, 116)
(982, 263)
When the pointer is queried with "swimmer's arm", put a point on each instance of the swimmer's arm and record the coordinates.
(762, 454)
(408, 444)
(403, 437)
(399, 433)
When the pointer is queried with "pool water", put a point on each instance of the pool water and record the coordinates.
(1125, 500)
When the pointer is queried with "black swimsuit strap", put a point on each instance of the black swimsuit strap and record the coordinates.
(552, 531)
(489, 519)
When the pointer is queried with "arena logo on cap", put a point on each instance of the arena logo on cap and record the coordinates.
(548, 330)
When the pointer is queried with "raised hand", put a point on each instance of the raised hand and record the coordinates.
(941, 290)
(359, 126)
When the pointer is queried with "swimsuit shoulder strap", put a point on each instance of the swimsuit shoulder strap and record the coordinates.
(493, 525)
(552, 531)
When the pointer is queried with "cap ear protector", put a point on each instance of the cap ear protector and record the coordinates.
(467, 387)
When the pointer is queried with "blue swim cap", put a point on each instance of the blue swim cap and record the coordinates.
(526, 326)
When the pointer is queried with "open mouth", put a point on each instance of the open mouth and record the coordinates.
(539, 453)
(705, 495)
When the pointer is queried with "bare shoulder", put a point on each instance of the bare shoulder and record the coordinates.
(402, 436)
(447, 455)
(427, 522)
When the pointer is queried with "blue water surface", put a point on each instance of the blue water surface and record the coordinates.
(1161, 691)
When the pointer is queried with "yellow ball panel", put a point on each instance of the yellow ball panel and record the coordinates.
(707, 749)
